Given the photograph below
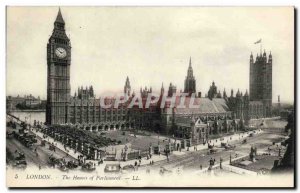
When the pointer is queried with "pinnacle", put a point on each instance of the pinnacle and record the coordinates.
(59, 18)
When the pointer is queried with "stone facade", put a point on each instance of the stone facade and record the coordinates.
(261, 81)
(215, 115)
(58, 74)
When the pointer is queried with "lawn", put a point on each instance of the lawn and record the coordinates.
(138, 142)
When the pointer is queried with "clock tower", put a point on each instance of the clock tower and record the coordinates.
(58, 74)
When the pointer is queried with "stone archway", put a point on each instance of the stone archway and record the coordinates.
(158, 128)
(106, 127)
(117, 126)
(111, 127)
(132, 125)
(94, 128)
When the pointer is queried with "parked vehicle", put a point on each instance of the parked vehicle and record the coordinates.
(88, 167)
(10, 135)
(43, 143)
(112, 168)
(163, 171)
(63, 168)
(229, 147)
(20, 156)
(128, 168)
(212, 151)
(72, 165)
(223, 144)
(20, 164)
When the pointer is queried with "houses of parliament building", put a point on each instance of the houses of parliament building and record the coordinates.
(217, 112)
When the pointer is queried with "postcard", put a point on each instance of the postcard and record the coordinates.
(150, 97)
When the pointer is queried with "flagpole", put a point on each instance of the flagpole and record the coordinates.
(259, 42)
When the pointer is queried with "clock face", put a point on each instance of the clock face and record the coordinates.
(60, 52)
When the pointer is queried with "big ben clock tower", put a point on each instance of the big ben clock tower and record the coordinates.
(58, 74)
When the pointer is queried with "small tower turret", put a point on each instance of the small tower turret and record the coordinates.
(238, 94)
(270, 58)
(224, 94)
(162, 90)
(190, 81)
(127, 87)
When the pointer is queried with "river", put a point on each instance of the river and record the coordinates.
(29, 117)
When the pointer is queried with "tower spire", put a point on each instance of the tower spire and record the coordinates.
(59, 18)
(190, 64)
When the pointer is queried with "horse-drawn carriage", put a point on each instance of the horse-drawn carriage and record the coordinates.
(212, 151)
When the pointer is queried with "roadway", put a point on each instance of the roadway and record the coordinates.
(193, 159)
(31, 157)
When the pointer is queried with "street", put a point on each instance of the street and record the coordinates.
(31, 157)
(193, 159)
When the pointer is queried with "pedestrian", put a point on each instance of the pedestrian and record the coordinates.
(221, 160)
(200, 166)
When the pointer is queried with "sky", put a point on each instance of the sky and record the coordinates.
(151, 45)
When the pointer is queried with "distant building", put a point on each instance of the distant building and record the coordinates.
(26, 102)
(11, 102)
(31, 101)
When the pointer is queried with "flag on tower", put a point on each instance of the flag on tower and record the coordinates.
(257, 42)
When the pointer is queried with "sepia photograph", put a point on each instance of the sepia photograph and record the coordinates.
(152, 97)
